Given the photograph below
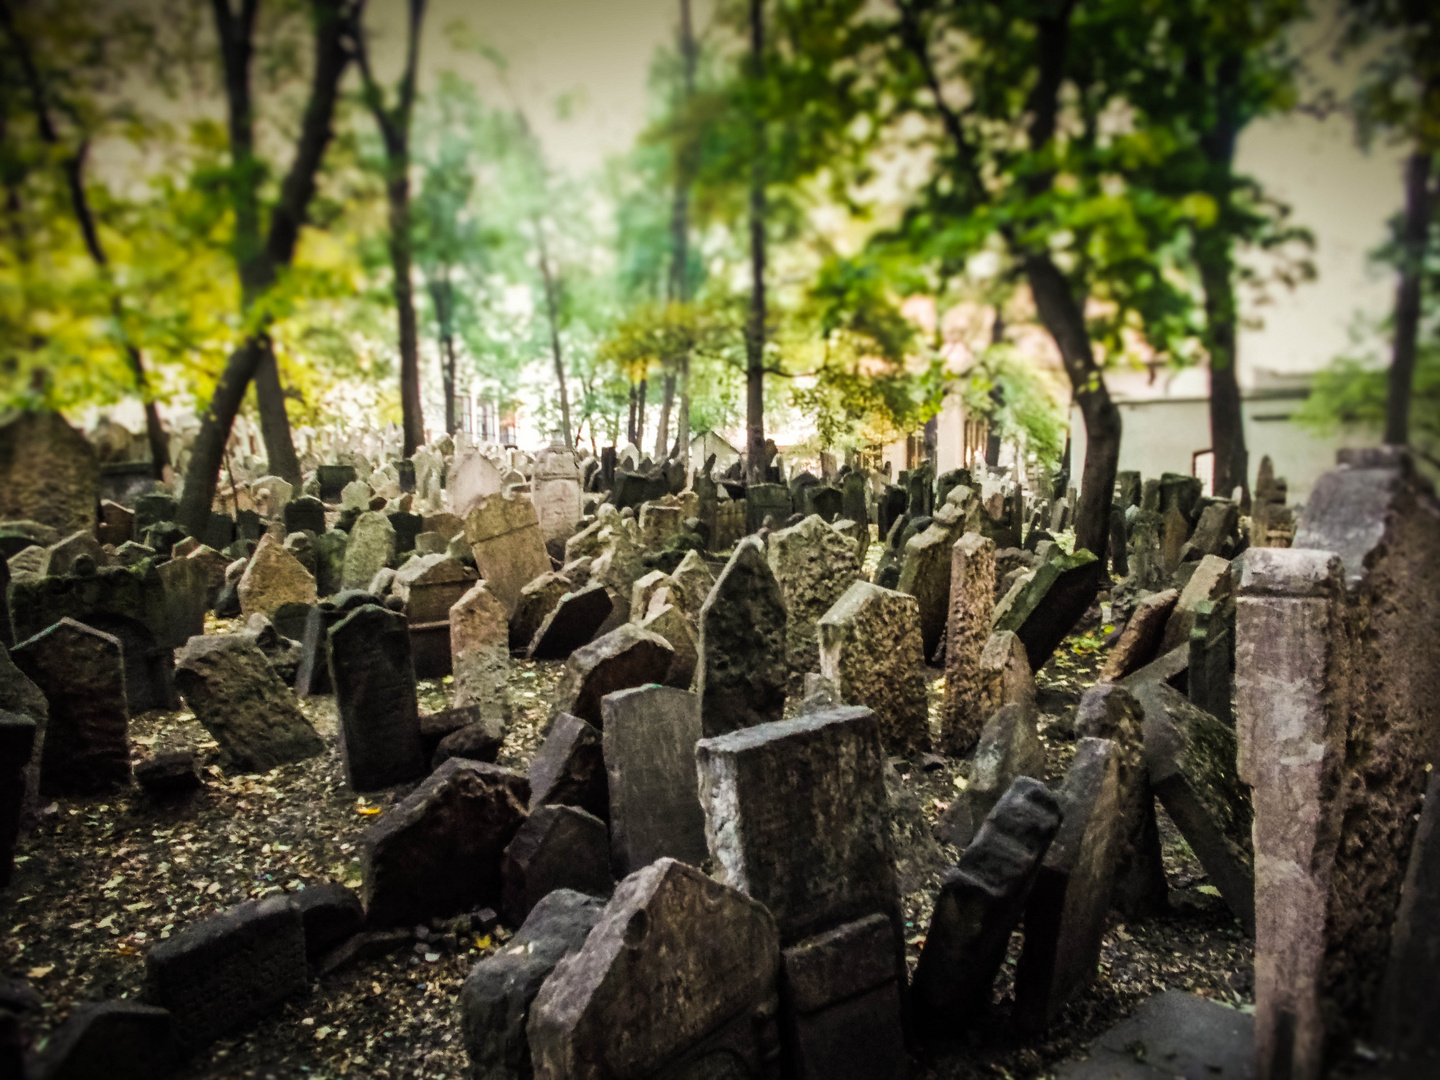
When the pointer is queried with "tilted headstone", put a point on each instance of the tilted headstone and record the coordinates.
(537, 600)
(742, 671)
(1005, 674)
(624, 658)
(666, 621)
(1337, 692)
(557, 847)
(374, 680)
(1009, 746)
(980, 903)
(274, 577)
(972, 601)
(237, 696)
(569, 768)
(472, 477)
(1409, 1011)
(716, 954)
(1211, 581)
(795, 816)
(813, 565)
(870, 650)
(1065, 917)
(1140, 640)
(439, 851)
(1210, 679)
(1047, 608)
(119, 1040)
(925, 570)
(17, 746)
(649, 742)
(81, 671)
(1190, 757)
(223, 973)
(572, 623)
(509, 549)
(495, 1000)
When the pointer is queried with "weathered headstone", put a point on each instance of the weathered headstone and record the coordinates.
(972, 601)
(504, 536)
(569, 768)
(679, 973)
(439, 851)
(925, 571)
(479, 651)
(1047, 608)
(274, 577)
(1005, 674)
(472, 478)
(573, 622)
(742, 671)
(1211, 581)
(333, 479)
(870, 649)
(666, 621)
(1409, 1011)
(48, 472)
(17, 746)
(117, 1040)
(236, 695)
(85, 747)
(980, 903)
(766, 500)
(649, 741)
(557, 847)
(370, 549)
(305, 514)
(624, 658)
(1140, 640)
(813, 565)
(374, 680)
(537, 600)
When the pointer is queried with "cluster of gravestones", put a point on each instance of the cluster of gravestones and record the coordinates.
(1279, 702)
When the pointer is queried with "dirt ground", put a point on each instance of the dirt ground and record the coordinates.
(102, 879)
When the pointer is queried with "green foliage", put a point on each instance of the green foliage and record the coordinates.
(1024, 410)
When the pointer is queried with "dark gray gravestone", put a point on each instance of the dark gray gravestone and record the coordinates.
(573, 622)
(333, 479)
(890, 508)
(625, 657)
(305, 514)
(407, 526)
(854, 502)
(312, 675)
(1210, 682)
(980, 903)
(224, 972)
(439, 851)
(569, 768)
(153, 508)
(649, 740)
(795, 816)
(81, 672)
(330, 913)
(247, 526)
(766, 500)
(17, 743)
(1065, 916)
(109, 1040)
(1050, 604)
(742, 671)
(558, 847)
(374, 681)
(495, 1000)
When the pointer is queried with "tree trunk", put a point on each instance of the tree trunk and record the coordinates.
(682, 424)
(662, 432)
(1064, 318)
(755, 329)
(552, 308)
(207, 452)
(1415, 233)
(630, 423)
(680, 235)
(274, 423)
(640, 413)
(412, 413)
(1227, 426)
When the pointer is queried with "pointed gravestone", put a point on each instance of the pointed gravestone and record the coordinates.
(479, 651)
(557, 847)
(569, 768)
(742, 671)
(274, 577)
(374, 680)
(621, 659)
(714, 951)
(870, 650)
(813, 565)
(81, 672)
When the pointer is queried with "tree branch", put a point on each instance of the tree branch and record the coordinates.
(913, 35)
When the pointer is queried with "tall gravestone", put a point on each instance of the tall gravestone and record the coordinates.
(972, 601)
(556, 492)
(374, 682)
(742, 671)
(504, 536)
(870, 650)
(813, 565)
(1338, 714)
(48, 473)
(81, 672)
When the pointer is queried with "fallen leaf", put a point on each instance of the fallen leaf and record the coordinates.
(41, 972)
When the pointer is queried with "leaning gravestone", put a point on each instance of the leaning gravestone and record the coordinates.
(677, 978)
(274, 577)
(571, 623)
(649, 743)
(230, 969)
(870, 650)
(925, 572)
(621, 659)
(236, 695)
(813, 565)
(509, 549)
(440, 850)
(374, 680)
(742, 671)
(569, 768)
(17, 747)
(1337, 692)
(472, 478)
(48, 472)
(85, 748)
(1047, 607)
(557, 847)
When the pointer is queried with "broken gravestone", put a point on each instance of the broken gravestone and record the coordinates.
(480, 652)
(557, 847)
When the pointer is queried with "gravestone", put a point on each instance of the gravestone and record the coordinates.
(274, 577)
(813, 565)
(1409, 1012)
(1065, 916)
(624, 658)
(870, 650)
(1194, 1037)
(234, 692)
(471, 479)
(17, 746)
(227, 971)
(573, 622)
(1210, 581)
(714, 952)
(980, 903)
(795, 817)
(1337, 691)
(765, 501)
(117, 1040)
(374, 680)
(742, 672)
(509, 549)
(1140, 640)
(85, 747)
(569, 768)
(972, 601)
(333, 479)
(557, 847)
(407, 527)
(48, 472)
(305, 514)
(429, 586)
(439, 851)
(370, 549)
(649, 744)
(1210, 680)
(1048, 606)
(925, 570)
(480, 652)
(667, 622)
(537, 600)
(1005, 674)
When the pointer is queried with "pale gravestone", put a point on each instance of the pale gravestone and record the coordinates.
(972, 601)
(274, 577)
(370, 549)
(374, 680)
(472, 478)
(505, 539)
(85, 748)
(556, 493)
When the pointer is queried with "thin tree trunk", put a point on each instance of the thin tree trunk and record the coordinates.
(440, 296)
(662, 432)
(630, 423)
(1227, 424)
(274, 422)
(552, 308)
(755, 330)
(640, 414)
(1064, 318)
(1416, 231)
(679, 283)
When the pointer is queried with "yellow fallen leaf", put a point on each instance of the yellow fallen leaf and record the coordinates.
(367, 810)
(483, 942)
(41, 972)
